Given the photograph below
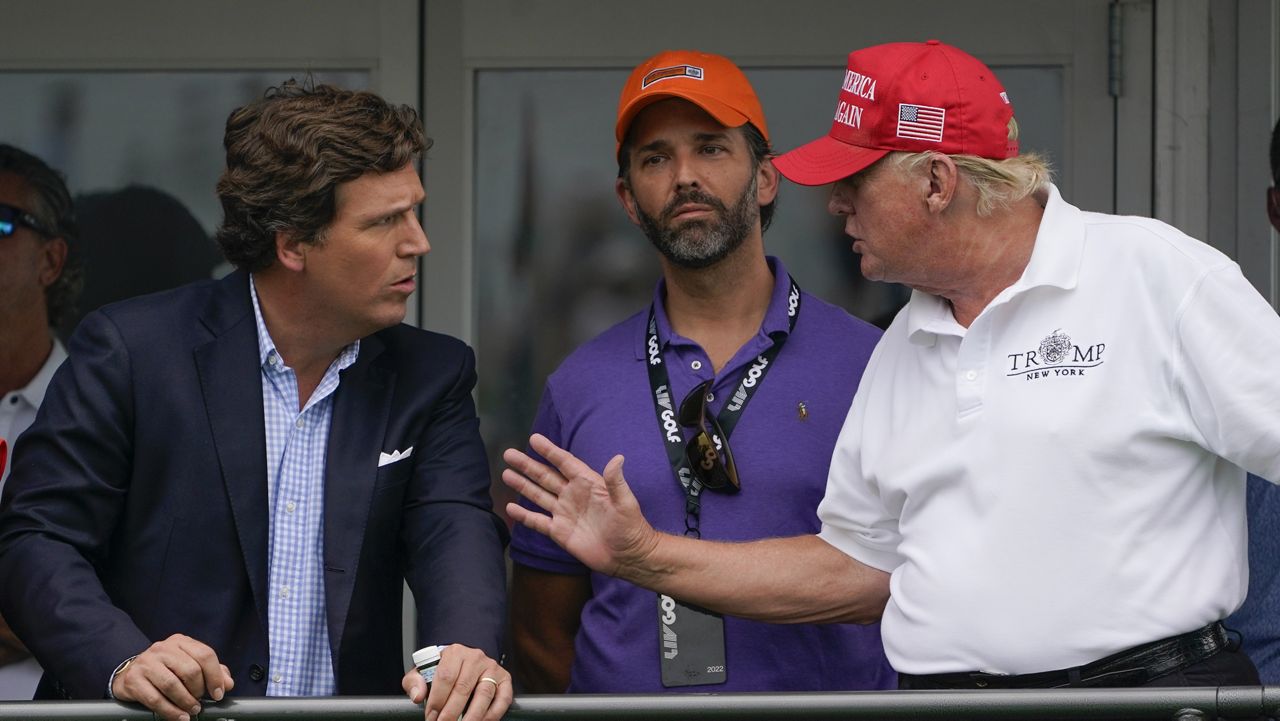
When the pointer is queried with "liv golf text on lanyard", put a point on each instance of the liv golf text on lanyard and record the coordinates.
(691, 639)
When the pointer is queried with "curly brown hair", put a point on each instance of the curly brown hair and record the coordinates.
(288, 152)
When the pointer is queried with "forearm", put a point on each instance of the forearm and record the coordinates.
(458, 577)
(546, 612)
(540, 667)
(782, 580)
(59, 604)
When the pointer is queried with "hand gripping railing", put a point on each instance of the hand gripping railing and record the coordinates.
(1178, 704)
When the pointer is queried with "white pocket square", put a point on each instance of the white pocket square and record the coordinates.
(386, 459)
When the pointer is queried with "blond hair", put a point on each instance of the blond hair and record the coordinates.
(999, 183)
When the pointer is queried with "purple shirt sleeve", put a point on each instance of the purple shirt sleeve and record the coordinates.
(528, 547)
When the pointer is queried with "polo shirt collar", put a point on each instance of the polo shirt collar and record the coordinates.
(1055, 262)
(775, 316)
(1059, 250)
(33, 392)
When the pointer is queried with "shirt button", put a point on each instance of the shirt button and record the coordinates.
(696, 365)
(971, 375)
(711, 397)
(277, 678)
(290, 507)
(298, 423)
(13, 400)
(284, 592)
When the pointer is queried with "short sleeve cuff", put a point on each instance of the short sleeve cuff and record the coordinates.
(532, 549)
(850, 544)
(566, 566)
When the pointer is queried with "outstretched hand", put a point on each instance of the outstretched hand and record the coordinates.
(596, 518)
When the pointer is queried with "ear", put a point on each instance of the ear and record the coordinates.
(943, 176)
(53, 257)
(767, 181)
(627, 200)
(290, 251)
(1273, 207)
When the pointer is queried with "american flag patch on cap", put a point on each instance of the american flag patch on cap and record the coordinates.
(921, 122)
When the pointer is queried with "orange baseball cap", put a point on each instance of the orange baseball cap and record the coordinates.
(712, 82)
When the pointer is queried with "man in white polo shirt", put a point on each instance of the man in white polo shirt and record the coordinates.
(1040, 481)
(40, 279)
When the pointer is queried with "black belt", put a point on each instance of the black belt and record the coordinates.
(1134, 667)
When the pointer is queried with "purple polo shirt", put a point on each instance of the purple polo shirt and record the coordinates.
(598, 404)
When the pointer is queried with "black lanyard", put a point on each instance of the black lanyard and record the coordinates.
(673, 438)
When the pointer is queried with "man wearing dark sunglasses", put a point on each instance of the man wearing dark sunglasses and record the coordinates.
(1041, 481)
(726, 394)
(38, 285)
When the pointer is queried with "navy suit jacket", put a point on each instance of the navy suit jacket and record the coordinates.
(137, 504)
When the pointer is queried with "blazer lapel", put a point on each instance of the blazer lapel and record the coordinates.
(362, 405)
(230, 380)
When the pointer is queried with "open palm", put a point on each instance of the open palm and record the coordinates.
(595, 518)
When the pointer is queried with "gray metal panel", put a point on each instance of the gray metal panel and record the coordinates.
(1135, 144)
(446, 295)
(1256, 89)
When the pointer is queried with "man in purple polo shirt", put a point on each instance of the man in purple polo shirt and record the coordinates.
(767, 373)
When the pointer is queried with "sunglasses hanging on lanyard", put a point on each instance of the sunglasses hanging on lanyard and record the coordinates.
(691, 639)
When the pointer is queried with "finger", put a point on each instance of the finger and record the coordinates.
(503, 696)
(539, 522)
(482, 697)
(208, 678)
(442, 687)
(156, 703)
(464, 692)
(228, 682)
(170, 683)
(613, 478)
(528, 489)
(156, 687)
(535, 471)
(568, 464)
(471, 662)
(415, 687)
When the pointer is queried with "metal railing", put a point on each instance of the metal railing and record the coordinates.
(1179, 704)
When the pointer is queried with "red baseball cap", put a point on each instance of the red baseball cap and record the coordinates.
(912, 97)
(712, 82)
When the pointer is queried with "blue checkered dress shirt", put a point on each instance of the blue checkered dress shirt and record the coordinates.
(300, 663)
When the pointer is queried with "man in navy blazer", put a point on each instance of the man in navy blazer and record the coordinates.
(229, 483)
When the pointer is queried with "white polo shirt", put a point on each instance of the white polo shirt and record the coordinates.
(17, 412)
(1062, 480)
(18, 408)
